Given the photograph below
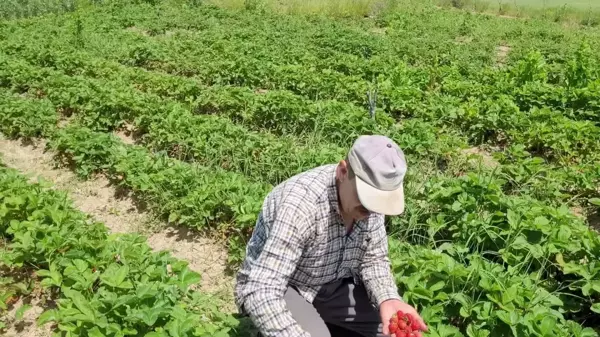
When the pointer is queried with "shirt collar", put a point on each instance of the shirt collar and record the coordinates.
(332, 194)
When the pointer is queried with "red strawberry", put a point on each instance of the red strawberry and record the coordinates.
(402, 325)
(415, 325)
(394, 319)
(393, 327)
(401, 334)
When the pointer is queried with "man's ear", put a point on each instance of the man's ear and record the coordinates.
(342, 170)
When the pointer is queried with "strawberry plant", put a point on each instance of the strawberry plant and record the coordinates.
(225, 104)
(105, 285)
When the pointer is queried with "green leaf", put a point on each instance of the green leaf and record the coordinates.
(156, 334)
(595, 307)
(22, 309)
(95, 332)
(48, 316)
(595, 201)
(547, 326)
(187, 278)
(146, 290)
(437, 286)
(81, 303)
(512, 318)
(513, 218)
(115, 275)
(473, 331)
(509, 295)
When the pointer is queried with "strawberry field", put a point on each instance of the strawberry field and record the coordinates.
(499, 119)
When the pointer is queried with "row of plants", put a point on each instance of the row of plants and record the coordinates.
(497, 119)
(212, 200)
(115, 286)
(504, 229)
(476, 298)
(558, 183)
(176, 128)
(300, 47)
(517, 231)
(277, 111)
(100, 284)
(343, 62)
(451, 297)
(171, 126)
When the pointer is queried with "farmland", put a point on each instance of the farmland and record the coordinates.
(192, 113)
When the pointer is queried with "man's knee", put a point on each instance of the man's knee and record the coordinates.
(305, 314)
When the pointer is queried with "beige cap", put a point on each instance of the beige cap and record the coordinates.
(380, 167)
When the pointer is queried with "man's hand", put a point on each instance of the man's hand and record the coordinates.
(390, 307)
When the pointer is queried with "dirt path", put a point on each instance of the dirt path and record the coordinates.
(99, 199)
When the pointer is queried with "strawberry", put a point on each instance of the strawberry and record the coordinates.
(417, 334)
(402, 325)
(393, 327)
(401, 334)
(415, 325)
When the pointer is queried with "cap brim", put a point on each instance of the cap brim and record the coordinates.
(378, 201)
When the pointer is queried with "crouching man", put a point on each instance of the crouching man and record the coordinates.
(317, 264)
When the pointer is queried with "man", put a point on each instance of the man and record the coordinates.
(318, 261)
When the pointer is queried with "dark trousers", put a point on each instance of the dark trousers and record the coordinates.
(340, 309)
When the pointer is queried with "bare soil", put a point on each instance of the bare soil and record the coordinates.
(27, 325)
(592, 217)
(463, 39)
(138, 30)
(119, 213)
(486, 158)
(37, 300)
(502, 52)
(594, 221)
(378, 30)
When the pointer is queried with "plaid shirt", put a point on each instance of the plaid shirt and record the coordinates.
(300, 240)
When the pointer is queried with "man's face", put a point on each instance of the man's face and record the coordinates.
(351, 205)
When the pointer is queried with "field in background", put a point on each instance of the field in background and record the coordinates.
(578, 4)
(193, 112)
(580, 12)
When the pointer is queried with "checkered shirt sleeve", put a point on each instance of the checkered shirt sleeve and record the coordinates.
(375, 268)
(282, 241)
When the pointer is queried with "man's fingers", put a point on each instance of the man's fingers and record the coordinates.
(386, 328)
(423, 325)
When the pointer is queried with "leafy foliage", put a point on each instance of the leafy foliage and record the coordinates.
(225, 104)
(107, 285)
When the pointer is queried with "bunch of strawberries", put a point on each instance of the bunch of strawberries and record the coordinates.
(404, 325)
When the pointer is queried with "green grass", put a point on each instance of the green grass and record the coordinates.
(330, 7)
(577, 4)
(578, 12)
